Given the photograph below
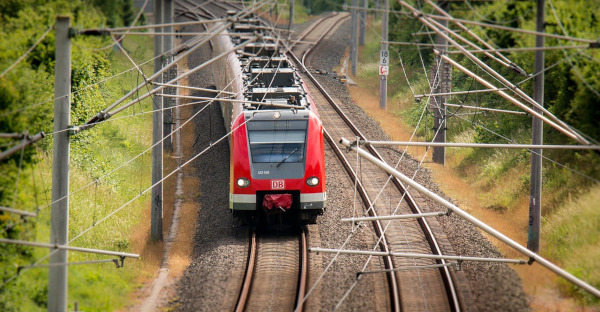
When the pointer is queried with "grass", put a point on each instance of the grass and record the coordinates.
(99, 287)
(572, 235)
(493, 185)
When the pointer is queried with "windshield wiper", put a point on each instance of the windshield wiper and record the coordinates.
(286, 157)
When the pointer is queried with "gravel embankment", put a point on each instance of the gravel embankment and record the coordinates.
(220, 245)
(493, 287)
(218, 257)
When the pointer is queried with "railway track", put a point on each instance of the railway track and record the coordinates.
(311, 36)
(276, 273)
(412, 289)
(277, 265)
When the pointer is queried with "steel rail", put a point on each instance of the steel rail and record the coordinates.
(303, 274)
(306, 32)
(446, 274)
(388, 261)
(312, 46)
(383, 245)
(187, 10)
(478, 223)
(245, 291)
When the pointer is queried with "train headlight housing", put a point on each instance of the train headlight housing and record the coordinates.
(312, 181)
(243, 182)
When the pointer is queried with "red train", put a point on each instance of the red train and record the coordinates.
(277, 161)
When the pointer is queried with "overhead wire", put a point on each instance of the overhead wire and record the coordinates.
(127, 162)
(76, 91)
(543, 156)
(321, 276)
(144, 191)
(382, 188)
(557, 123)
(519, 30)
(567, 57)
(106, 112)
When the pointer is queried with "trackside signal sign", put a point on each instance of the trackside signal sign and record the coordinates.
(383, 70)
(384, 58)
(384, 61)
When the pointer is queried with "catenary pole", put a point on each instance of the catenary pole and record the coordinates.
(168, 11)
(535, 198)
(363, 20)
(440, 83)
(59, 215)
(291, 14)
(157, 133)
(353, 39)
(384, 50)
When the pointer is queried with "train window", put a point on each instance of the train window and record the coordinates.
(277, 152)
(277, 141)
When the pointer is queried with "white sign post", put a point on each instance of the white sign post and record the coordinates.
(384, 61)
(384, 58)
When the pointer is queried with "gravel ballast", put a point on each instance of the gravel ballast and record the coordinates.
(492, 287)
(219, 255)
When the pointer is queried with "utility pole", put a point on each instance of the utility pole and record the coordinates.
(168, 102)
(157, 135)
(291, 14)
(384, 56)
(535, 198)
(363, 21)
(353, 39)
(440, 82)
(59, 216)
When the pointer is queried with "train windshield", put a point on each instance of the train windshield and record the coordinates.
(281, 141)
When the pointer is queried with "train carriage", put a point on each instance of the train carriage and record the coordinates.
(277, 166)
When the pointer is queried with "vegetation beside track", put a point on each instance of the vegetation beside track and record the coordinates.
(26, 104)
(501, 177)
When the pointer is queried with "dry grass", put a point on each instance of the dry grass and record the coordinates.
(179, 257)
(369, 102)
(540, 284)
(152, 252)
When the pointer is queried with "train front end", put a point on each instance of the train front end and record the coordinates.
(277, 167)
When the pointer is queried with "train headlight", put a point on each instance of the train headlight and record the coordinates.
(312, 181)
(243, 182)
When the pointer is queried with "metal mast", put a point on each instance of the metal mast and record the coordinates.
(157, 134)
(440, 82)
(59, 216)
(535, 198)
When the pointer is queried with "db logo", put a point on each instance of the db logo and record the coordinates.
(277, 184)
